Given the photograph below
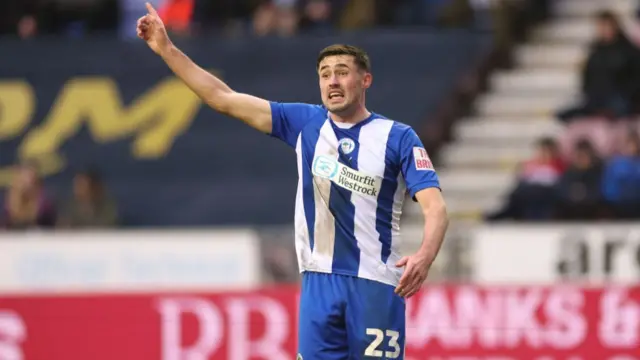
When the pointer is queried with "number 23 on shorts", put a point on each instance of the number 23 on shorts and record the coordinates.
(379, 339)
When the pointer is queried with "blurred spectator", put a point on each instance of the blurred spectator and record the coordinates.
(76, 18)
(534, 195)
(276, 16)
(611, 76)
(482, 16)
(605, 136)
(454, 13)
(621, 180)
(579, 187)
(422, 12)
(130, 11)
(26, 204)
(27, 18)
(176, 15)
(27, 27)
(361, 14)
(317, 13)
(321, 15)
(19, 17)
(90, 205)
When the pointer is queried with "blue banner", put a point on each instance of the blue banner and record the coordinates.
(169, 160)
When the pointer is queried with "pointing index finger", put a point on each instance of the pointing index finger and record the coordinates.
(151, 10)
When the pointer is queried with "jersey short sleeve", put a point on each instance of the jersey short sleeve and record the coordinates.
(288, 119)
(416, 166)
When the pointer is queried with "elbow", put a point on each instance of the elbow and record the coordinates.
(220, 100)
(438, 212)
(445, 216)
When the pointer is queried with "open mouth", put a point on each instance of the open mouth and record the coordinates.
(335, 95)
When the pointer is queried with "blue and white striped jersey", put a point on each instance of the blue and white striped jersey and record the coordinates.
(352, 182)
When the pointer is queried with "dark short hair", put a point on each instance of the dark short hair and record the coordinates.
(360, 56)
(92, 174)
(547, 142)
(608, 16)
(583, 144)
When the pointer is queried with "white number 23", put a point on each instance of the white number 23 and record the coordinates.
(373, 351)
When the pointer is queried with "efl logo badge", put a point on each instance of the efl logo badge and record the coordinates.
(325, 167)
(421, 159)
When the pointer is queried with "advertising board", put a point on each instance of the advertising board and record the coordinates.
(443, 323)
(127, 261)
(546, 254)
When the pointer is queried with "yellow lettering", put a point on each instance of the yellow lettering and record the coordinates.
(177, 105)
(6, 174)
(157, 117)
(16, 108)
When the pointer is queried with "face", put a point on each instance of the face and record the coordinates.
(606, 30)
(582, 159)
(82, 187)
(342, 83)
(545, 153)
(631, 148)
(26, 178)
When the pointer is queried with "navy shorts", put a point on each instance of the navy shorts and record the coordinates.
(348, 318)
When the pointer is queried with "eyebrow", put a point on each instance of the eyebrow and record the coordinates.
(337, 65)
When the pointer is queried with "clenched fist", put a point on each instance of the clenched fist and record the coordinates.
(151, 29)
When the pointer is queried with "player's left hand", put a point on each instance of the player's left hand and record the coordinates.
(415, 273)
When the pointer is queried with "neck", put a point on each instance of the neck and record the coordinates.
(354, 116)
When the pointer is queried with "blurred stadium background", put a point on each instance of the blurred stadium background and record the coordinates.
(139, 224)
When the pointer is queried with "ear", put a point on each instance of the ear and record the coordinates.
(367, 79)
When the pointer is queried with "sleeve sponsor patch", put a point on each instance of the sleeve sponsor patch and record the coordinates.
(421, 159)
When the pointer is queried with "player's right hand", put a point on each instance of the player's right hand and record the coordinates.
(151, 29)
(416, 269)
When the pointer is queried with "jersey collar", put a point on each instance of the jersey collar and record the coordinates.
(351, 126)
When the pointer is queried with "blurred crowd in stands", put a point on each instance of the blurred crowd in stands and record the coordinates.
(76, 18)
(28, 205)
(592, 170)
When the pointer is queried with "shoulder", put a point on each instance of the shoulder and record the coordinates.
(400, 137)
(398, 132)
(402, 128)
(395, 127)
(617, 163)
(617, 160)
(298, 109)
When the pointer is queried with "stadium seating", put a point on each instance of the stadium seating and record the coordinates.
(520, 108)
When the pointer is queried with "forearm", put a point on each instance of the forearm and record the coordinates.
(436, 222)
(208, 87)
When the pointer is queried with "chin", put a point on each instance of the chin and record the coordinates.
(338, 108)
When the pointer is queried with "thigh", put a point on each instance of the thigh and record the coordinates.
(322, 333)
(375, 318)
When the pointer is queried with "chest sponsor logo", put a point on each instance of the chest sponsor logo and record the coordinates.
(347, 178)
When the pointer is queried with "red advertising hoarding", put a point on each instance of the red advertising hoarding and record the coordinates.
(443, 323)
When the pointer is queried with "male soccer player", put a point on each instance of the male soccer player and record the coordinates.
(354, 169)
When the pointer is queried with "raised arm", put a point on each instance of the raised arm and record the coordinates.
(254, 111)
